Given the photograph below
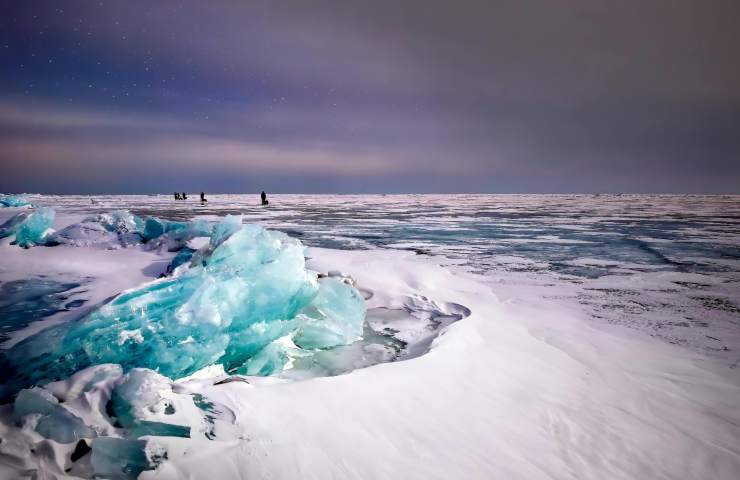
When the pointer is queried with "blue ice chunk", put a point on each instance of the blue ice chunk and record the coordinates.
(54, 421)
(120, 221)
(12, 224)
(176, 234)
(273, 358)
(29, 228)
(33, 230)
(13, 201)
(334, 317)
(116, 229)
(252, 289)
(183, 256)
(222, 231)
(155, 227)
(84, 234)
(119, 458)
(199, 228)
(139, 394)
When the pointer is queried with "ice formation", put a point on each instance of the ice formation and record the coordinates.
(139, 396)
(51, 419)
(111, 230)
(13, 201)
(155, 227)
(119, 458)
(173, 235)
(129, 401)
(240, 294)
(29, 229)
(121, 228)
(121, 412)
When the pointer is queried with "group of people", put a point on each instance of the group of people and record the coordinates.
(184, 196)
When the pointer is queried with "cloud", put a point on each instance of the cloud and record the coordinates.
(470, 96)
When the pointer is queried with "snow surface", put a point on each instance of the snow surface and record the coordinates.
(527, 385)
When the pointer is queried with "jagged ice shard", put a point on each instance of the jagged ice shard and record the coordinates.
(112, 230)
(29, 228)
(13, 201)
(248, 290)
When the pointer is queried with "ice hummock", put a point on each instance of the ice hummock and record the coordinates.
(50, 418)
(116, 229)
(119, 458)
(29, 229)
(122, 228)
(248, 288)
(138, 396)
(121, 412)
(14, 201)
(116, 414)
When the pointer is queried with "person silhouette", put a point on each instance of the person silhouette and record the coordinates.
(203, 197)
(184, 196)
(263, 195)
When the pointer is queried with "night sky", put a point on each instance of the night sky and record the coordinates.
(374, 96)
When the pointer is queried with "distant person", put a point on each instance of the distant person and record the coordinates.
(184, 196)
(203, 197)
(177, 196)
(263, 195)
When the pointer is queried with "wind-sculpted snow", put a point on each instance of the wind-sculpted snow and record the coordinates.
(13, 201)
(133, 404)
(29, 229)
(239, 294)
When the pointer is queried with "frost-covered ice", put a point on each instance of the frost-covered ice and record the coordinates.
(539, 379)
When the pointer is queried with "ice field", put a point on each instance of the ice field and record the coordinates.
(414, 336)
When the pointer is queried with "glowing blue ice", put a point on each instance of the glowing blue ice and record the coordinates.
(52, 419)
(110, 230)
(155, 227)
(334, 316)
(13, 201)
(119, 458)
(138, 395)
(120, 221)
(29, 228)
(121, 228)
(225, 307)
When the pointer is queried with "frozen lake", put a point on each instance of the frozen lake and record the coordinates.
(494, 322)
(665, 265)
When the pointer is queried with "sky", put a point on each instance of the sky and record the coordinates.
(403, 96)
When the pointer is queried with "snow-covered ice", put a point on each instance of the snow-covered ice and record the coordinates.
(482, 355)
